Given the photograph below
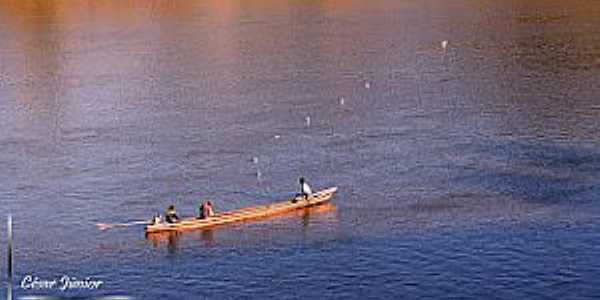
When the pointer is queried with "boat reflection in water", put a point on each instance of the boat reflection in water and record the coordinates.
(170, 239)
(321, 214)
(310, 212)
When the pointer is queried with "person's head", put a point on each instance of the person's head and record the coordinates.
(171, 207)
(301, 180)
(209, 203)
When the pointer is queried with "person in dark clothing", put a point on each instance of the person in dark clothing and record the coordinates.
(305, 189)
(171, 215)
(201, 210)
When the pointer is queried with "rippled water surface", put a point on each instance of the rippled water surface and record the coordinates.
(468, 171)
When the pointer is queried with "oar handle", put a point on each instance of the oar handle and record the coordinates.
(104, 226)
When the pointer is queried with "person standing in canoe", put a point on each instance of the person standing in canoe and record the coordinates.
(171, 215)
(305, 190)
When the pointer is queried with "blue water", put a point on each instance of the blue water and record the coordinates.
(468, 172)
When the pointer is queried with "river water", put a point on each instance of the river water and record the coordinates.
(468, 171)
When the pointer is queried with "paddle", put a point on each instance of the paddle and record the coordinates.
(104, 226)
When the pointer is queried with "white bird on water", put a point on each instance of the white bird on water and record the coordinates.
(444, 44)
(307, 120)
(342, 101)
(367, 85)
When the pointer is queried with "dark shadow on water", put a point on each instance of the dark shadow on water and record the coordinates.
(538, 172)
(532, 187)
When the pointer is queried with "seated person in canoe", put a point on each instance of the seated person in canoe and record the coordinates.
(156, 219)
(206, 210)
(171, 215)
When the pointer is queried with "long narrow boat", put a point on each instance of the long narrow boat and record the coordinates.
(244, 214)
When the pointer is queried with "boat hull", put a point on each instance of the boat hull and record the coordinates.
(241, 215)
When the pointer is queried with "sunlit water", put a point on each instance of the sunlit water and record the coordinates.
(468, 171)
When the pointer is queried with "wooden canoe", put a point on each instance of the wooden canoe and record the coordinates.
(244, 214)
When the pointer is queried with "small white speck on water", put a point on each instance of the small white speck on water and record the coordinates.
(255, 160)
(307, 120)
(277, 136)
(342, 101)
(444, 44)
(367, 85)
(258, 174)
